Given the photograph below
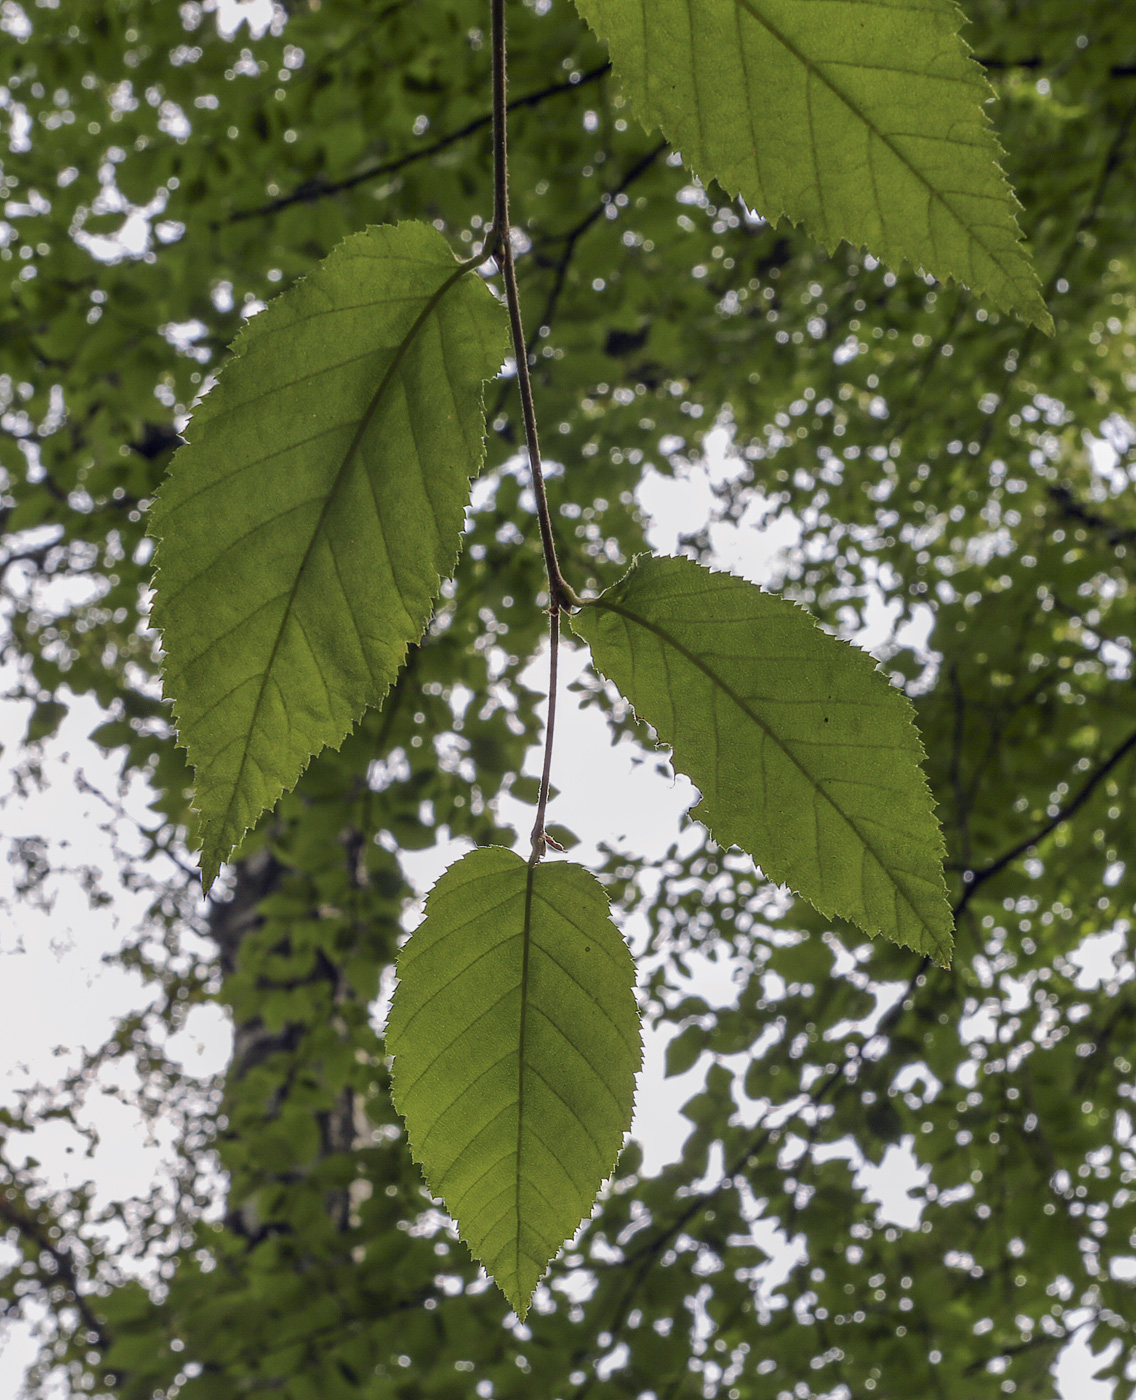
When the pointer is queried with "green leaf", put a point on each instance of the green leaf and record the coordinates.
(306, 526)
(805, 756)
(516, 1043)
(44, 720)
(683, 1051)
(862, 121)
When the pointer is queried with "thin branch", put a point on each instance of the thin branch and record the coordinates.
(1041, 1340)
(1073, 509)
(1009, 65)
(573, 236)
(979, 877)
(320, 188)
(36, 556)
(570, 240)
(65, 1271)
(500, 244)
(560, 594)
(152, 835)
(540, 838)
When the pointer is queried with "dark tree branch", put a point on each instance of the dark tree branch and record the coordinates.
(1073, 509)
(563, 262)
(574, 234)
(320, 188)
(977, 878)
(1034, 61)
(36, 556)
(1041, 1340)
(65, 1271)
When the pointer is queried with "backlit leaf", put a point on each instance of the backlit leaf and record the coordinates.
(516, 1043)
(805, 756)
(860, 120)
(307, 524)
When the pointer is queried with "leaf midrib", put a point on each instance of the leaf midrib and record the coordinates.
(522, 1048)
(348, 460)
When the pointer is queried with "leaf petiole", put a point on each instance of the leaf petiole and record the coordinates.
(560, 594)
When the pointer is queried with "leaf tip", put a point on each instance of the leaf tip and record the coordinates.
(944, 950)
(210, 868)
(519, 1302)
(1042, 319)
(936, 939)
(213, 846)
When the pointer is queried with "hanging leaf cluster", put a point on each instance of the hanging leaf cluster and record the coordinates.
(307, 525)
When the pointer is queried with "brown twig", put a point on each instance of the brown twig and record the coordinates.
(560, 595)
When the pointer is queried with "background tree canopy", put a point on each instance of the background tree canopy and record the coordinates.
(162, 178)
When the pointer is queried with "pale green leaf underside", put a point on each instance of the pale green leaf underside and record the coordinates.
(861, 120)
(516, 1043)
(306, 525)
(804, 754)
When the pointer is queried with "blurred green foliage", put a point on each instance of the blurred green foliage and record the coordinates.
(931, 453)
